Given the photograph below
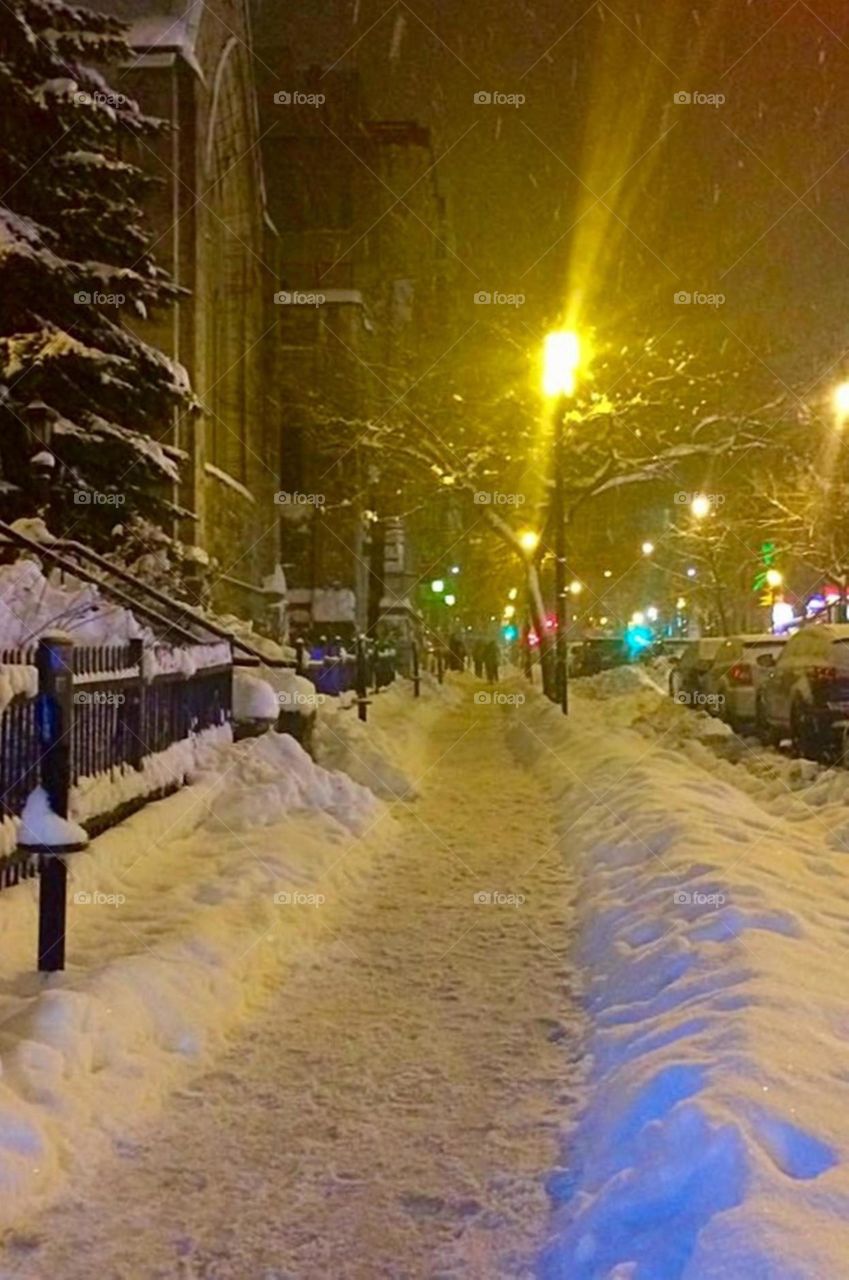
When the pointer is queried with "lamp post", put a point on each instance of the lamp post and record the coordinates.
(562, 356)
(840, 401)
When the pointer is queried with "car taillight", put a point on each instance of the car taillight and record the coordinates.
(740, 673)
(821, 674)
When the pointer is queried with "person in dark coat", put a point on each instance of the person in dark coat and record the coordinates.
(491, 660)
(479, 657)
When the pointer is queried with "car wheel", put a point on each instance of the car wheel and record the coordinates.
(804, 735)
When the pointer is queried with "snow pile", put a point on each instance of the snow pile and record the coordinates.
(98, 794)
(272, 776)
(253, 699)
(179, 921)
(715, 942)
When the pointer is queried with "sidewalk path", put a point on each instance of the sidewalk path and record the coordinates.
(392, 1111)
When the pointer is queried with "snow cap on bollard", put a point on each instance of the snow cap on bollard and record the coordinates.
(45, 832)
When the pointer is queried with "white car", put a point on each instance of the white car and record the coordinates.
(732, 681)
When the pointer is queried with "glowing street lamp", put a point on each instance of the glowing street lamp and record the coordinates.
(529, 540)
(576, 587)
(561, 358)
(774, 579)
(638, 619)
(450, 601)
(700, 506)
(647, 548)
(512, 593)
(652, 614)
(509, 611)
(680, 603)
(840, 400)
(437, 586)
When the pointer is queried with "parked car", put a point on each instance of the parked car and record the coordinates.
(686, 679)
(805, 695)
(733, 678)
(600, 653)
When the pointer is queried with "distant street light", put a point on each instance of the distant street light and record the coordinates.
(680, 603)
(700, 506)
(576, 587)
(691, 573)
(608, 573)
(509, 611)
(437, 586)
(774, 579)
(450, 600)
(561, 359)
(512, 593)
(529, 540)
(647, 548)
(652, 614)
(638, 619)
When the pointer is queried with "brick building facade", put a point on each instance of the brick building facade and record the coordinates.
(194, 68)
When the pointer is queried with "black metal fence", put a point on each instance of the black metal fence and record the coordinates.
(121, 706)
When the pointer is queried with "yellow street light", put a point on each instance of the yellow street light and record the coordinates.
(648, 548)
(700, 506)
(841, 403)
(576, 587)
(774, 578)
(509, 611)
(529, 540)
(561, 357)
(680, 603)
(512, 593)
(638, 619)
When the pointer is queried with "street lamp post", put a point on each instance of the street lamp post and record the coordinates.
(562, 356)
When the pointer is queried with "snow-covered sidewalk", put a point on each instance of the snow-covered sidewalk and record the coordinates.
(389, 1102)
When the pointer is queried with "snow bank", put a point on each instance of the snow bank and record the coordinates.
(714, 943)
(179, 921)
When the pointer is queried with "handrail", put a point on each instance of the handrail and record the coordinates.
(124, 575)
(42, 549)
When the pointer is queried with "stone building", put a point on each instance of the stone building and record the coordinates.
(194, 68)
(364, 281)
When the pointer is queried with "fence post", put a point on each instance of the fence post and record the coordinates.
(362, 680)
(417, 679)
(135, 715)
(55, 710)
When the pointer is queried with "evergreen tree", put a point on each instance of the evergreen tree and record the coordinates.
(83, 398)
